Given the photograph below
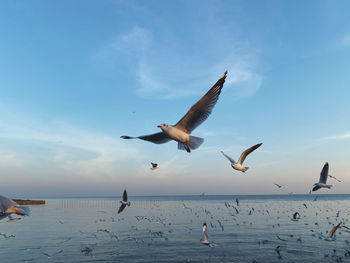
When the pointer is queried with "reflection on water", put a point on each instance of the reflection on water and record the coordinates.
(160, 229)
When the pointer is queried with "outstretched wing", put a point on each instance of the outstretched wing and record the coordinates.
(324, 174)
(228, 157)
(121, 208)
(157, 138)
(247, 152)
(125, 196)
(200, 111)
(333, 230)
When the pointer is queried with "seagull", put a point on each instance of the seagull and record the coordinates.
(296, 216)
(50, 256)
(154, 166)
(8, 207)
(205, 232)
(237, 201)
(124, 203)
(323, 179)
(181, 131)
(238, 166)
(278, 185)
(333, 230)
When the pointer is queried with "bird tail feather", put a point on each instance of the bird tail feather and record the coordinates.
(195, 142)
(246, 168)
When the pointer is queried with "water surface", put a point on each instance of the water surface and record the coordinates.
(159, 229)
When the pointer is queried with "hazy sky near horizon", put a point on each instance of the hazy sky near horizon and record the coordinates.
(76, 75)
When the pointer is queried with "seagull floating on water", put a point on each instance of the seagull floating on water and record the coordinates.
(205, 233)
(323, 179)
(124, 203)
(181, 131)
(8, 207)
(239, 165)
(154, 166)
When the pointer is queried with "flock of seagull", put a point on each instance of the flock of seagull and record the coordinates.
(197, 114)
(181, 133)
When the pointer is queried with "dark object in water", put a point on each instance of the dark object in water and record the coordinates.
(29, 202)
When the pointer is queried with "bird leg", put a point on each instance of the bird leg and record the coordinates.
(187, 148)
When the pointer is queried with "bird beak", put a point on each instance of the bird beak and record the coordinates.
(20, 212)
(159, 126)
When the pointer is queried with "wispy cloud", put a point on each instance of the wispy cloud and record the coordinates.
(343, 136)
(344, 41)
(31, 142)
(166, 73)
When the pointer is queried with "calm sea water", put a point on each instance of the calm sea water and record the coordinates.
(159, 229)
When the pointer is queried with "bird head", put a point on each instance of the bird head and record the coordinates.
(164, 126)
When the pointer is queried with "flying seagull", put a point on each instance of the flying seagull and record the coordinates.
(181, 131)
(238, 166)
(333, 230)
(205, 233)
(154, 166)
(278, 185)
(323, 179)
(124, 203)
(8, 207)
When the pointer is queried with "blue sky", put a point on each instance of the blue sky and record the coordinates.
(75, 76)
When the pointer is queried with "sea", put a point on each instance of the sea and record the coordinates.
(251, 228)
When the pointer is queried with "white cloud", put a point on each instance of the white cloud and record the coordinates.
(59, 147)
(344, 41)
(166, 72)
(343, 136)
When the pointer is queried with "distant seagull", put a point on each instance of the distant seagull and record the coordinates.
(8, 207)
(333, 230)
(323, 179)
(278, 185)
(124, 203)
(296, 216)
(331, 176)
(205, 233)
(181, 131)
(238, 166)
(154, 166)
(184, 206)
(52, 255)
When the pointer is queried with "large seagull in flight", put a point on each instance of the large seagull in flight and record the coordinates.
(181, 131)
